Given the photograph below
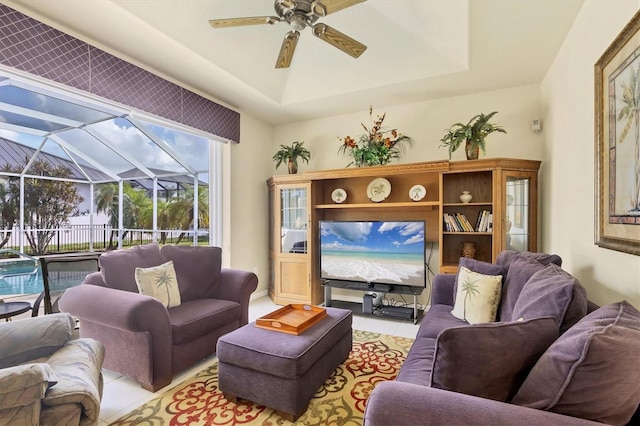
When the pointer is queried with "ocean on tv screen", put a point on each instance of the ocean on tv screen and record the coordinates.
(373, 252)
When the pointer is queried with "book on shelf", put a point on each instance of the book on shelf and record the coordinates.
(457, 222)
(485, 221)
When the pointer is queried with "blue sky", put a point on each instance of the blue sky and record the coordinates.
(399, 237)
(194, 149)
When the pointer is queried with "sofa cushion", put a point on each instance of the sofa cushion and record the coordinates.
(590, 371)
(196, 318)
(517, 276)
(477, 297)
(507, 256)
(118, 267)
(197, 268)
(159, 282)
(417, 367)
(490, 360)
(480, 267)
(552, 292)
(436, 319)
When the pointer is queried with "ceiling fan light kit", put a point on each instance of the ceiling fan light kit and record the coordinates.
(300, 14)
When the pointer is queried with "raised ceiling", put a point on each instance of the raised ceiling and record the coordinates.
(417, 49)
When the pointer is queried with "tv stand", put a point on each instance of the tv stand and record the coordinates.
(356, 308)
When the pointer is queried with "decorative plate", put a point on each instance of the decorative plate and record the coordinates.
(417, 192)
(378, 190)
(339, 195)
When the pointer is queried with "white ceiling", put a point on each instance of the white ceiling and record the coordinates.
(417, 49)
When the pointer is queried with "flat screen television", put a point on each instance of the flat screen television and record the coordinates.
(373, 252)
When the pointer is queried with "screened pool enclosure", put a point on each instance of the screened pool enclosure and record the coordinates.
(78, 173)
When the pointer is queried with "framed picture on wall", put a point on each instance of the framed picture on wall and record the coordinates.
(617, 130)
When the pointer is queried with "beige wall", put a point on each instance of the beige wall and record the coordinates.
(425, 122)
(246, 223)
(568, 169)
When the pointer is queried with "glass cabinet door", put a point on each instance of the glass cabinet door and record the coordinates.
(518, 214)
(294, 219)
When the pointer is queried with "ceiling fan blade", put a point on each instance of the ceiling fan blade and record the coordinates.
(238, 22)
(286, 50)
(339, 40)
(327, 7)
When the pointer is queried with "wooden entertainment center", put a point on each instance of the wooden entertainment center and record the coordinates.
(504, 187)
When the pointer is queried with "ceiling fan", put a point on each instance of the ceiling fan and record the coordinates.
(300, 14)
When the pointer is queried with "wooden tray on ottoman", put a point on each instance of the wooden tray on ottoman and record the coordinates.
(292, 319)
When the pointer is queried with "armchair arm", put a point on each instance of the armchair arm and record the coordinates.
(237, 285)
(442, 292)
(32, 338)
(397, 403)
(134, 328)
(119, 309)
(24, 384)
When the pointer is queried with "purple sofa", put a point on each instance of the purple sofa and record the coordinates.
(551, 357)
(144, 339)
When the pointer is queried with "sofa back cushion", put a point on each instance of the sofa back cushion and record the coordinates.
(118, 267)
(197, 269)
(552, 292)
(521, 269)
(505, 257)
(490, 360)
(591, 371)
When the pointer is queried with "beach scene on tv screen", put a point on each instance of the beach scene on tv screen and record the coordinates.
(373, 252)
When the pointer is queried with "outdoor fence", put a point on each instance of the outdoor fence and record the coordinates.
(84, 238)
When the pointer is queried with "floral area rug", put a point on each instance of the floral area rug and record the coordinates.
(340, 401)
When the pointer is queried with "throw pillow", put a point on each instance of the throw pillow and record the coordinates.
(477, 297)
(478, 266)
(552, 292)
(591, 371)
(490, 360)
(159, 282)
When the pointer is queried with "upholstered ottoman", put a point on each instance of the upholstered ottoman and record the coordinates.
(283, 371)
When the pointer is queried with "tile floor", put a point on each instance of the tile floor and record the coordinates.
(122, 394)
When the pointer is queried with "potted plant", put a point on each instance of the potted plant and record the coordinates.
(473, 134)
(377, 146)
(291, 154)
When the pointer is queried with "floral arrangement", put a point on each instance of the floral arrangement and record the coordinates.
(377, 146)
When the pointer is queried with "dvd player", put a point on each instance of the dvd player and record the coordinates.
(397, 312)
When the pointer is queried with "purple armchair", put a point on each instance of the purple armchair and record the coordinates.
(144, 339)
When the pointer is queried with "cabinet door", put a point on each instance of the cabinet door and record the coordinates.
(294, 284)
(293, 208)
(519, 230)
(293, 265)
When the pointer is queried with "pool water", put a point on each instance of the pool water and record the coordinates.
(27, 283)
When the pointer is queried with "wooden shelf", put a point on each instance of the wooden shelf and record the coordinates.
(409, 204)
(466, 204)
(467, 233)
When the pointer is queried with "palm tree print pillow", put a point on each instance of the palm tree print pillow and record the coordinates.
(478, 296)
(159, 282)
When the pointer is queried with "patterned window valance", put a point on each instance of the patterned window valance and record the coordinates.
(31, 46)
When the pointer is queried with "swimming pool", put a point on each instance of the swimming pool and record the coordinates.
(22, 284)
(19, 273)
